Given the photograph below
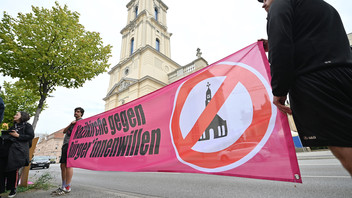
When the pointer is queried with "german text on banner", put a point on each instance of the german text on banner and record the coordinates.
(219, 120)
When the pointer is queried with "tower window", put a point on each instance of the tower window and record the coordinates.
(156, 13)
(127, 71)
(157, 45)
(132, 44)
(136, 11)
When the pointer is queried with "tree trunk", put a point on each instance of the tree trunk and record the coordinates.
(38, 111)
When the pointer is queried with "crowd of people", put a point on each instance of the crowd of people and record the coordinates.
(14, 151)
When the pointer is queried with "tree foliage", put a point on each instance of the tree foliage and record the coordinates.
(48, 48)
(17, 98)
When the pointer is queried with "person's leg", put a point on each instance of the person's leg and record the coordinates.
(59, 191)
(63, 174)
(3, 162)
(2, 182)
(344, 154)
(12, 180)
(69, 174)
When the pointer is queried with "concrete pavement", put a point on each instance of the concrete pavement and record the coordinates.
(79, 191)
(82, 191)
(320, 154)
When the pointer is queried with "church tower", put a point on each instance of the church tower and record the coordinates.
(145, 54)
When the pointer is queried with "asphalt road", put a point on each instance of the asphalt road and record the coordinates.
(322, 176)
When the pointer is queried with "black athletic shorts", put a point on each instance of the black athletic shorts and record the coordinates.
(63, 157)
(321, 104)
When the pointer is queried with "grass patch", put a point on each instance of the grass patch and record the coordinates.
(42, 183)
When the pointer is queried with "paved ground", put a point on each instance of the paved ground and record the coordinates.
(321, 154)
(81, 191)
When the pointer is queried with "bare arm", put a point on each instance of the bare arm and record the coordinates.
(66, 129)
(279, 101)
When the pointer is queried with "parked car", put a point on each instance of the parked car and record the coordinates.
(52, 159)
(40, 162)
(242, 149)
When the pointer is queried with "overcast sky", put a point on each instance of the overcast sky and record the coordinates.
(219, 28)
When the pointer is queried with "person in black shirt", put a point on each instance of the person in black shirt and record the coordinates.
(67, 172)
(14, 152)
(311, 61)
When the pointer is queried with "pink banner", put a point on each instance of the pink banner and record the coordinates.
(219, 120)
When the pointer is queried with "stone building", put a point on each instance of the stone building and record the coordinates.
(50, 145)
(145, 61)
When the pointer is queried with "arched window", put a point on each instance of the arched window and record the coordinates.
(157, 45)
(132, 44)
(136, 11)
(156, 13)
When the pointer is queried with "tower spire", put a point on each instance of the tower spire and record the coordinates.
(208, 95)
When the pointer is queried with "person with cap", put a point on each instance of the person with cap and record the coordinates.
(311, 62)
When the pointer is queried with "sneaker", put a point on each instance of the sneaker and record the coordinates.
(56, 191)
(67, 189)
(12, 193)
(61, 192)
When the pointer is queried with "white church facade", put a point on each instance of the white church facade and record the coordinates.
(145, 61)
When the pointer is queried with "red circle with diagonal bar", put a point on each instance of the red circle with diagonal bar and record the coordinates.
(254, 133)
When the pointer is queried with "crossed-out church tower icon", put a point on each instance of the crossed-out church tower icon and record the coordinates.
(218, 126)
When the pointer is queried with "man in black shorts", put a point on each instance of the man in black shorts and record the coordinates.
(311, 60)
(67, 172)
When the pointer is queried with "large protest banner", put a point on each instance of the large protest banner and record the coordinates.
(219, 120)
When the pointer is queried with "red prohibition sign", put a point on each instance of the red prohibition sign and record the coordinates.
(254, 133)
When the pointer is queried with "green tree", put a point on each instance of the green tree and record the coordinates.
(48, 48)
(18, 98)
